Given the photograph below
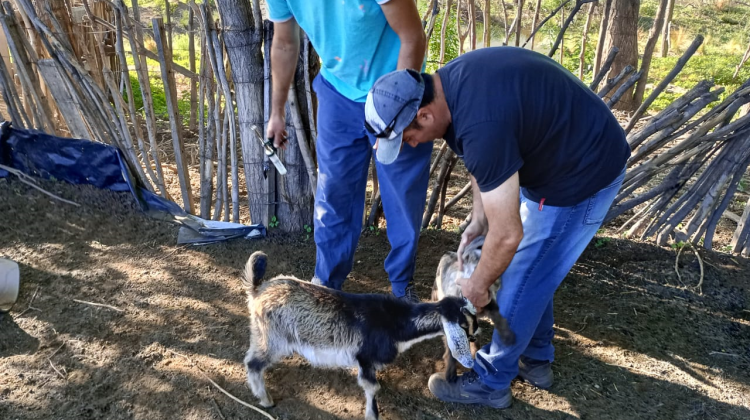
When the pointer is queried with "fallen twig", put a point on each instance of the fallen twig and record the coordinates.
(99, 304)
(721, 353)
(31, 182)
(30, 302)
(584, 324)
(218, 409)
(56, 370)
(220, 388)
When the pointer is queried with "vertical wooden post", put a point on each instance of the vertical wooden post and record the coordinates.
(141, 69)
(168, 15)
(20, 49)
(12, 99)
(206, 134)
(125, 73)
(269, 210)
(170, 91)
(69, 107)
(215, 51)
(191, 53)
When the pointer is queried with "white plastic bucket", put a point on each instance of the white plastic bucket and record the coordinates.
(10, 281)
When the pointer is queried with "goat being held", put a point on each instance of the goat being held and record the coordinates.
(332, 328)
(446, 284)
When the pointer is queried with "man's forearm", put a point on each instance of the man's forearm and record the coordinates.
(497, 253)
(412, 53)
(477, 207)
(283, 64)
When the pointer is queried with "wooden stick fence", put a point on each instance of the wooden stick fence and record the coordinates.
(71, 75)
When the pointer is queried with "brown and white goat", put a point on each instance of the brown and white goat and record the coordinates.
(446, 285)
(331, 328)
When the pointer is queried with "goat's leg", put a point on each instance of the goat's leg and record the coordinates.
(367, 380)
(473, 347)
(450, 363)
(256, 362)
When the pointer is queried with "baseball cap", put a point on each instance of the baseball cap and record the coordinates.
(391, 106)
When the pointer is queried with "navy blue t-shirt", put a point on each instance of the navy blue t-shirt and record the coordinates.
(515, 110)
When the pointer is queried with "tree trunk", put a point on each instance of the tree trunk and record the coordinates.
(296, 189)
(243, 41)
(623, 33)
(584, 38)
(443, 28)
(487, 19)
(506, 29)
(666, 29)
(742, 62)
(648, 52)
(519, 17)
(535, 19)
(602, 36)
(472, 25)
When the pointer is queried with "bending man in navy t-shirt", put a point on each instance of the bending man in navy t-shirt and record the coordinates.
(523, 124)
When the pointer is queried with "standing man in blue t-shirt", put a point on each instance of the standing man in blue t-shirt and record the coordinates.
(357, 41)
(531, 133)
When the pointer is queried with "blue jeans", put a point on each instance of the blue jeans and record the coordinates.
(344, 149)
(554, 238)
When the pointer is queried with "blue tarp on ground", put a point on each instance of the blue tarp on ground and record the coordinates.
(86, 162)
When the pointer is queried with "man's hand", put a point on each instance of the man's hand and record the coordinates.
(284, 53)
(276, 130)
(504, 234)
(478, 295)
(478, 225)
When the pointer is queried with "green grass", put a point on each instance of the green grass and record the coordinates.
(158, 96)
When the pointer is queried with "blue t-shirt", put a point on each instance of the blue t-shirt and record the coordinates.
(352, 37)
(515, 110)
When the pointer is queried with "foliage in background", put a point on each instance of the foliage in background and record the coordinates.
(180, 55)
(451, 40)
(725, 24)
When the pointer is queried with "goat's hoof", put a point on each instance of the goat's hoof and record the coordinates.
(267, 403)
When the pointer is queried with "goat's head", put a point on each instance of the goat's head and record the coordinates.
(471, 255)
(460, 326)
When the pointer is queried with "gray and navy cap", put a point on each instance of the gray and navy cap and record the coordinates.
(392, 105)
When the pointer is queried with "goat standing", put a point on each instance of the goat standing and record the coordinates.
(336, 329)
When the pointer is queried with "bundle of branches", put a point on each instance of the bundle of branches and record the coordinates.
(683, 174)
(90, 110)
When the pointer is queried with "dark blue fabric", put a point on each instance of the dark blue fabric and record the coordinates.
(70, 160)
(86, 162)
(517, 110)
(553, 240)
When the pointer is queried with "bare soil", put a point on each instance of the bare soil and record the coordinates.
(632, 340)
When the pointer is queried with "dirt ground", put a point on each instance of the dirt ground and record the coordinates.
(632, 341)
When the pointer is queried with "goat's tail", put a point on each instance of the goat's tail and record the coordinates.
(255, 269)
(500, 322)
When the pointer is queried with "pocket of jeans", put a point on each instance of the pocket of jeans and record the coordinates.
(599, 203)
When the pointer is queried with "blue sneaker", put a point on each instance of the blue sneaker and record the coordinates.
(410, 295)
(536, 372)
(469, 389)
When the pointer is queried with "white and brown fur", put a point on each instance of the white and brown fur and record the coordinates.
(446, 284)
(331, 328)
